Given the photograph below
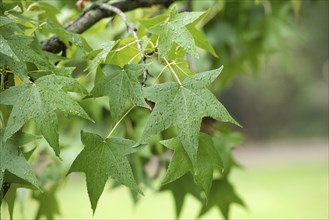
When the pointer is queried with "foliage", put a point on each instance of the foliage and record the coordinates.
(174, 112)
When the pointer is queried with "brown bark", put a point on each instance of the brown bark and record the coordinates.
(94, 14)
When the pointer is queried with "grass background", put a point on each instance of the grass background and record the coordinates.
(276, 183)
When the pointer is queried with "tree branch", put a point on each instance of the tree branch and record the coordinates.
(94, 14)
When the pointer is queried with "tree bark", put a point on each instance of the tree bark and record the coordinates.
(94, 14)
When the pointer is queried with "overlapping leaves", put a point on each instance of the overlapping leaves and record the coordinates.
(17, 49)
(13, 165)
(208, 159)
(214, 153)
(184, 106)
(122, 87)
(180, 105)
(40, 101)
(222, 195)
(176, 29)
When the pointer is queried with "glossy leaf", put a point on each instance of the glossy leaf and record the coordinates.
(40, 101)
(184, 106)
(103, 158)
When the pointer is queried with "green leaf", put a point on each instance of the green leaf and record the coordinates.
(67, 36)
(199, 37)
(40, 101)
(224, 144)
(222, 195)
(201, 40)
(174, 30)
(180, 188)
(108, 159)
(6, 50)
(5, 21)
(17, 50)
(99, 56)
(179, 64)
(208, 160)
(184, 106)
(123, 52)
(154, 21)
(13, 166)
(10, 199)
(122, 87)
(48, 203)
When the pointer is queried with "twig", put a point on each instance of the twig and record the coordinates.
(187, 6)
(133, 30)
(93, 14)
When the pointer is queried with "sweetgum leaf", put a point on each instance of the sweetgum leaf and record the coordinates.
(208, 160)
(122, 87)
(10, 200)
(224, 144)
(6, 49)
(201, 40)
(17, 49)
(123, 52)
(180, 188)
(40, 101)
(68, 37)
(174, 30)
(13, 166)
(199, 37)
(48, 203)
(99, 56)
(184, 106)
(222, 195)
(103, 158)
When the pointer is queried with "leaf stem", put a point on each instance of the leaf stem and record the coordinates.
(163, 69)
(2, 80)
(123, 116)
(172, 70)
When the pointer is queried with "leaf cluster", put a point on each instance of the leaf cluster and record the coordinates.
(105, 110)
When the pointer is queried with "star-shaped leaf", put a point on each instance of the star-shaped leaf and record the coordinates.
(222, 195)
(173, 30)
(17, 49)
(184, 106)
(224, 144)
(103, 158)
(48, 203)
(180, 188)
(40, 101)
(10, 198)
(99, 56)
(208, 160)
(122, 87)
(13, 165)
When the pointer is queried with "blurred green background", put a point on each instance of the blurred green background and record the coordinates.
(282, 103)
